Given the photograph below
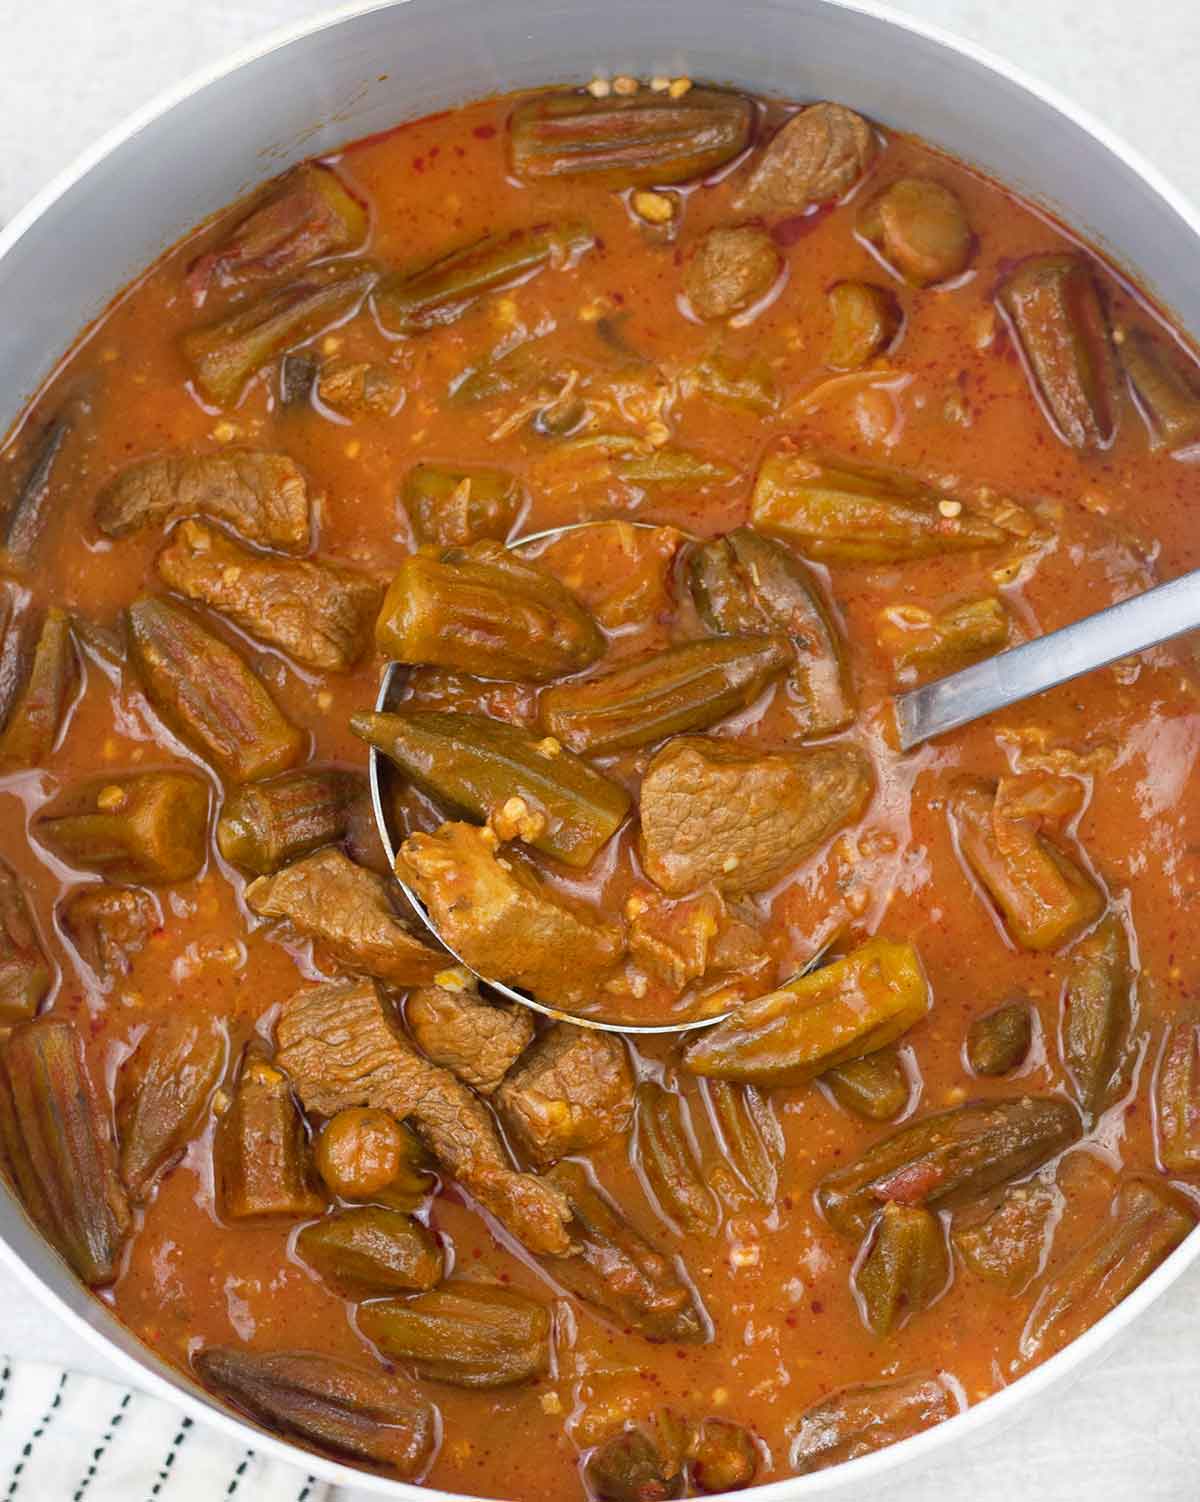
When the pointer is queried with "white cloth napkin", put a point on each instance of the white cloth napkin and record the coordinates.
(67, 1437)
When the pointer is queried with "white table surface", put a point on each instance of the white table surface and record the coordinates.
(1128, 1431)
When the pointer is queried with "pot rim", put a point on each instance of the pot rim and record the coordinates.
(183, 1392)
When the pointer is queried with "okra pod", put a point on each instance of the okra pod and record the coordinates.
(481, 610)
(905, 1267)
(268, 824)
(58, 1149)
(949, 1159)
(744, 583)
(1054, 307)
(372, 1250)
(687, 687)
(875, 1086)
(841, 513)
(26, 974)
(485, 770)
(614, 1268)
(1043, 896)
(37, 714)
(261, 1157)
(842, 1011)
(205, 690)
(644, 140)
(147, 827)
(450, 507)
(223, 356)
(439, 292)
(664, 1152)
(369, 1416)
(465, 1334)
(162, 1092)
(1097, 1015)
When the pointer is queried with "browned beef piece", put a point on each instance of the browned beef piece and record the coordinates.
(622, 573)
(672, 940)
(818, 155)
(318, 614)
(353, 387)
(503, 921)
(730, 269)
(715, 812)
(479, 1040)
(680, 940)
(109, 925)
(570, 1091)
(349, 912)
(262, 496)
(340, 1049)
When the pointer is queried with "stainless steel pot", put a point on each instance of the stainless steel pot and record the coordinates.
(368, 66)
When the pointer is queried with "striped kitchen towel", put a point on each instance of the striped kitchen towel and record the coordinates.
(66, 1437)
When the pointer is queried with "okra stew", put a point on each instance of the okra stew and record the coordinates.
(827, 414)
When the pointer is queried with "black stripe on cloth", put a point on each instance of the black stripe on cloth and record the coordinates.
(309, 1483)
(98, 1452)
(27, 1449)
(239, 1473)
(169, 1460)
(5, 1378)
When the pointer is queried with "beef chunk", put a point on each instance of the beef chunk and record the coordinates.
(740, 819)
(672, 940)
(108, 926)
(622, 573)
(730, 270)
(340, 1049)
(479, 1040)
(502, 920)
(208, 693)
(571, 1091)
(355, 387)
(318, 614)
(679, 941)
(348, 911)
(817, 156)
(262, 496)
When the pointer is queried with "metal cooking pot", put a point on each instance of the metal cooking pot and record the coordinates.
(369, 66)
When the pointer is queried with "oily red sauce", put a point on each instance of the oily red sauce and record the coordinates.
(951, 402)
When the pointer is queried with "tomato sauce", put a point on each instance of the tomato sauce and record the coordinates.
(949, 402)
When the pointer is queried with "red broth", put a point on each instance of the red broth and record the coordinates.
(946, 401)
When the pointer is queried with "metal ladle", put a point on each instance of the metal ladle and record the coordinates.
(1130, 626)
(390, 688)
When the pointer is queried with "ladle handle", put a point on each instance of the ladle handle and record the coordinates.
(1130, 626)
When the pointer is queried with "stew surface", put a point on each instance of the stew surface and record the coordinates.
(848, 416)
